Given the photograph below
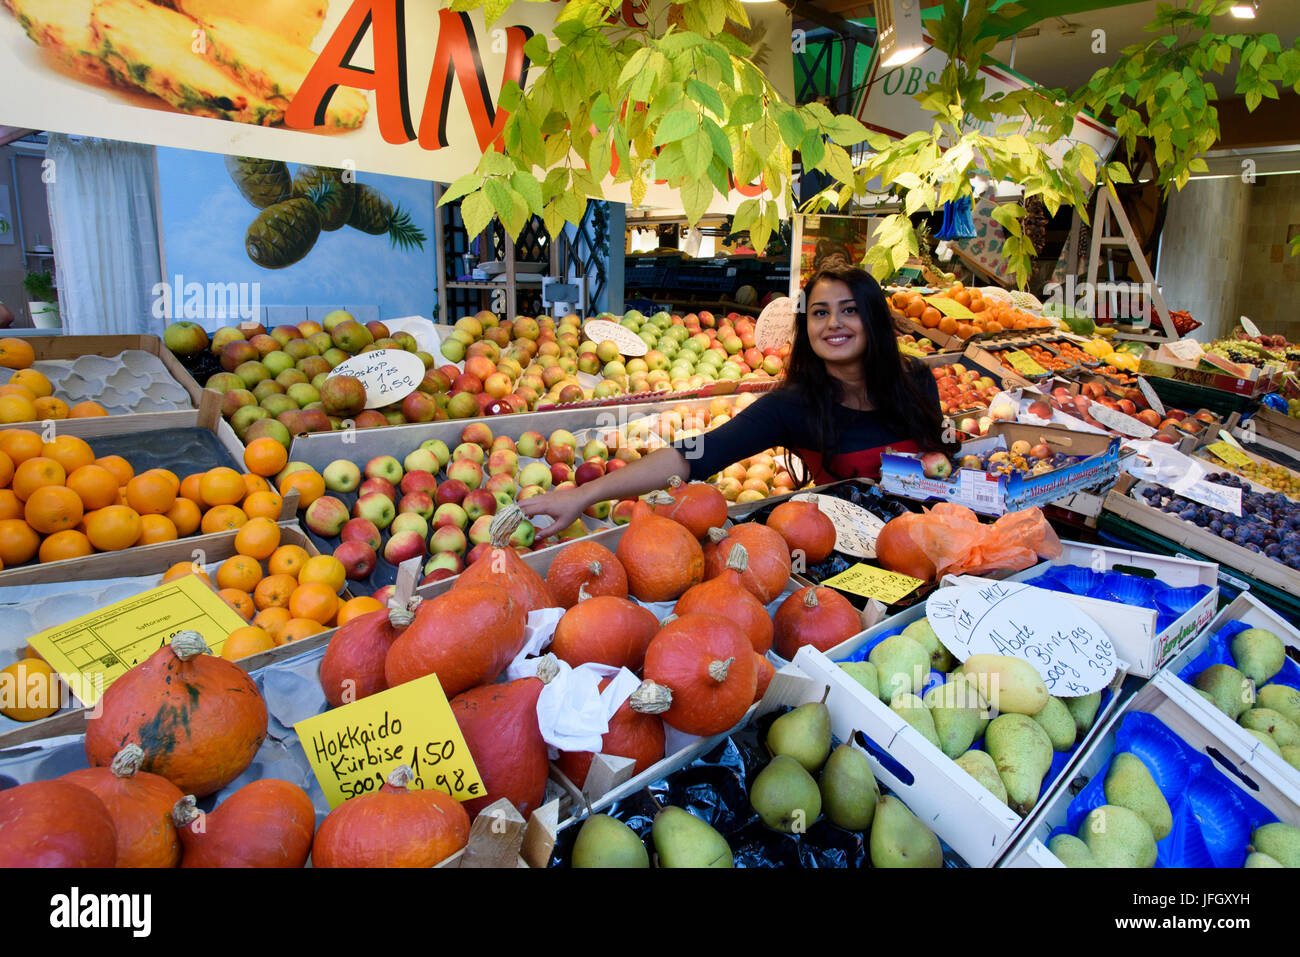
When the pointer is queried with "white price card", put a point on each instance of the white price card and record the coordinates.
(1149, 393)
(856, 529)
(628, 342)
(775, 326)
(1119, 422)
(1252, 330)
(1223, 497)
(1189, 350)
(388, 375)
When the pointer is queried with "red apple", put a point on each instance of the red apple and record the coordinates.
(452, 491)
(421, 503)
(326, 516)
(448, 538)
(479, 503)
(419, 481)
(404, 546)
(362, 530)
(380, 486)
(358, 559)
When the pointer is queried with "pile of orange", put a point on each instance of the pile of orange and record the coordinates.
(990, 316)
(29, 396)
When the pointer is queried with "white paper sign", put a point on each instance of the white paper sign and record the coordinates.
(1189, 350)
(775, 326)
(389, 375)
(1223, 497)
(1119, 422)
(1252, 330)
(628, 342)
(1149, 393)
(856, 529)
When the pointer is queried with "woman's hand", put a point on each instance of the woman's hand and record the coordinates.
(563, 506)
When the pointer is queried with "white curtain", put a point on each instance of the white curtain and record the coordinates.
(104, 215)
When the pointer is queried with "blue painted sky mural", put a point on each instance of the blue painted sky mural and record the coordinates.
(205, 219)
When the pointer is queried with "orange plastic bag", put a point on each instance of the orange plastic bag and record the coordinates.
(955, 540)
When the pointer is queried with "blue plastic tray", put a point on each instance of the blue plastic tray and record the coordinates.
(1219, 652)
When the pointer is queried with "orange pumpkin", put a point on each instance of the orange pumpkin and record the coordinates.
(353, 666)
(661, 557)
(605, 629)
(726, 595)
(501, 565)
(768, 567)
(586, 563)
(266, 823)
(898, 551)
(393, 827)
(696, 505)
(632, 734)
(55, 824)
(200, 719)
(816, 616)
(805, 528)
(140, 805)
(766, 671)
(702, 668)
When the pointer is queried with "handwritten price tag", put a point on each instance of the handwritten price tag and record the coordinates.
(352, 749)
(628, 342)
(388, 375)
(872, 582)
(1252, 330)
(950, 307)
(1149, 394)
(856, 529)
(1223, 497)
(775, 326)
(1119, 422)
(1227, 453)
(1024, 363)
(1189, 350)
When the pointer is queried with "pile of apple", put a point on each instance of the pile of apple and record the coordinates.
(910, 345)
(1171, 428)
(437, 502)
(694, 350)
(962, 389)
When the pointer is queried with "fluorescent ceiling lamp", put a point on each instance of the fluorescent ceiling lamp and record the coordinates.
(1245, 11)
(898, 23)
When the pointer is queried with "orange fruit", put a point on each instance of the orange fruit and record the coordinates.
(242, 642)
(119, 466)
(185, 515)
(309, 484)
(915, 308)
(962, 297)
(68, 543)
(11, 506)
(6, 470)
(965, 330)
(33, 380)
(930, 317)
(314, 600)
(36, 473)
(259, 538)
(18, 542)
(992, 326)
(40, 694)
(16, 408)
(95, 485)
(273, 591)
(223, 518)
(288, 560)
(241, 601)
(69, 451)
(272, 620)
(150, 493)
(947, 325)
(16, 353)
(298, 628)
(181, 569)
(114, 527)
(53, 508)
(356, 607)
(157, 528)
(263, 505)
(20, 444)
(254, 483)
(51, 407)
(222, 486)
(978, 304)
(19, 390)
(190, 488)
(325, 569)
(265, 456)
(86, 410)
(239, 571)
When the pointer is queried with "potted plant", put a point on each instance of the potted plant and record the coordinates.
(43, 300)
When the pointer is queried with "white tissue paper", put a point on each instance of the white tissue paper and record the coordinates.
(538, 633)
(571, 712)
(1167, 465)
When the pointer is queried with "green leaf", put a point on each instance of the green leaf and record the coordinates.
(537, 49)
(677, 125)
(1008, 215)
(600, 157)
(698, 152)
(637, 190)
(745, 110)
(812, 148)
(670, 164)
(838, 164)
(718, 139)
(602, 112)
(553, 219)
(706, 96)
(529, 190)
(1119, 173)
(462, 186)
(495, 164)
(718, 176)
(791, 127)
(557, 149)
(847, 131)
(696, 195)
(475, 213)
(764, 137)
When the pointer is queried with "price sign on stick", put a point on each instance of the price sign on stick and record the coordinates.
(950, 307)
(1149, 394)
(1252, 330)
(628, 342)
(1024, 363)
(1227, 453)
(856, 529)
(389, 375)
(775, 326)
(872, 582)
(1119, 422)
(353, 749)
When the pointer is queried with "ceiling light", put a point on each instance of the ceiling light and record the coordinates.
(1245, 11)
(898, 23)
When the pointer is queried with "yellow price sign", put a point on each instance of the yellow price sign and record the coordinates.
(1024, 363)
(872, 582)
(1227, 453)
(95, 650)
(950, 307)
(352, 749)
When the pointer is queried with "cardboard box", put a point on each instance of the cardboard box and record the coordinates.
(1242, 769)
(902, 474)
(1256, 383)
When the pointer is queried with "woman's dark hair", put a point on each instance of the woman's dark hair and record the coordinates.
(891, 378)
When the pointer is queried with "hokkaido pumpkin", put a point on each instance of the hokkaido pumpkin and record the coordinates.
(199, 719)
(696, 505)
(55, 824)
(266, 823)
(466, 636)
(502, 566)
(140, 805)
(632, 734)
(604, 629)
(768, 561)
(816, 616)
(499, 724)
(726, 595)
(805, 528)
(662, 559)
(766, 671)
(898, 550)
(353, 666)
(702, 667)
(393, 827)
(585, 563)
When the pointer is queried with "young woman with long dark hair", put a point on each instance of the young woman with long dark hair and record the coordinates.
(849, 394)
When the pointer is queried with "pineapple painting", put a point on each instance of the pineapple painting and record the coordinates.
(373, 213)
(262, 182)
(338, 207)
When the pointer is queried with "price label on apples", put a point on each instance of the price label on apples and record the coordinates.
(388, 375)
(1119, 422)
(1252, 330)
(775, 326)
(856, 529)
(1149, 394)
(628, 342)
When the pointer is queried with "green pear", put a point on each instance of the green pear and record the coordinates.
(1117, 837)
(1261, 860)
(1291, 754)
(902, 664)
(922, 633)
(899, 839)
(804, 734)
(1022, 752)
(1129, 784)
(1266, 739)
(1280, 698)
(864, 673)
(1056, 720)
(1230, 690)
(607, 842)
(980, 766)
(1282, 729)
(785, 796)
(1258, 654)
(913, 710)
(1008, 684)
(1071, 851)
(683, 840)
(1279, 841)
(849, 789)
(955, 707)
(1084, 711)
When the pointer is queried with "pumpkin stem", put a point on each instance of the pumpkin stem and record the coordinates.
(738, 559)
(667, 619)
(188, 644)
(809, 597)
(399, 615)
(675, 481)
(400, 777)
(718, 669)
(548, 668)
(650, 698)
(717, 535)
(127, 761)
(583, 594)
(659, 497)
(503, 525)
(185, 810)
(595, 569)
